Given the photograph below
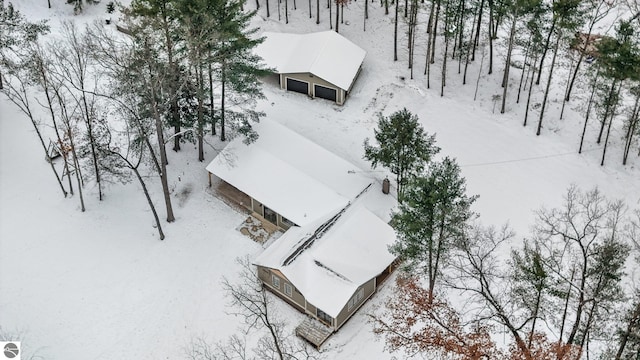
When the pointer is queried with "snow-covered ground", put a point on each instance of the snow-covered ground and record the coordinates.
(100, 285)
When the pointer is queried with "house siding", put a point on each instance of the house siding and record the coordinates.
(313, 80)
(296, 298)
(369, 288)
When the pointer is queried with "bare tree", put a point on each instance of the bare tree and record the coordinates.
(253, 305)
(17, 86)
(73, 63)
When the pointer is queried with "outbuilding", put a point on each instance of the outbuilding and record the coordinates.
(321, 65)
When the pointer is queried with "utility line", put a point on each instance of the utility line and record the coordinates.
(524, 159)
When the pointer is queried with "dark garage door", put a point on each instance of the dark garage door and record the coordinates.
(325, 93)
(297, 86)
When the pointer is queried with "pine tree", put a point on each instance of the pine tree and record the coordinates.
(403, 147)
(15, 31)
(619, 60)
(237, 69)
(432, 218)
(78, 4)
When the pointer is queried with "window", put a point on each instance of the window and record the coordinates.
(275, 281)
(355, 299)
(324, 317)
(270, 215)
(288, 289)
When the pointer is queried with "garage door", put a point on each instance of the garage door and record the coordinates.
(297, 86)
(325, 93)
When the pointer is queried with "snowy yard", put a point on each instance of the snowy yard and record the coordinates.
(100, 285)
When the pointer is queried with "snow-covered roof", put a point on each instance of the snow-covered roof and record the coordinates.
(325, 54)
(288, 173)
(330, 269)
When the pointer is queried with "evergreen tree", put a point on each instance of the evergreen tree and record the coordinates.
(432, 218)
(78, 4)
(530, 283)
(403, 147)
(238, 70)
(15, 31)
(619, 61)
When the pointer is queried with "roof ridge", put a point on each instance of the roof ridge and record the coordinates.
(320, 231)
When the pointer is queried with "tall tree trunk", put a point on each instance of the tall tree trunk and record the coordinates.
(286, 11)
(507, 65)
(586, 119)
(565, 309)
(491, 37)
(545, 48)
(200, 111)
(546, 92)
(624, 336)
(596, 17)
(566, 89)
(631, 130)
(526, 108)
(395, 34)
(524, 66)
(468, 52)
(606, 110)
(211, 109)
(153, 208)
(310, 16)
(611, 117)
(446, 49)
(268, 13)
(434, 31)
(476, 40)
(222, 108)
(337, 14)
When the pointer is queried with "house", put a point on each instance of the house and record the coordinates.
(322, 64)
(334, 252)
(329, 268)
(285, 178)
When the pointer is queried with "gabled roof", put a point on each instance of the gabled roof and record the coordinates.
(325, 54)
(288, 173)
(329, 269)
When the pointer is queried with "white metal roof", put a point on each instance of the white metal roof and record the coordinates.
(325, 54)
(289, 174)
(353, 251)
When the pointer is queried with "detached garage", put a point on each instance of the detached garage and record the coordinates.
(321, 65)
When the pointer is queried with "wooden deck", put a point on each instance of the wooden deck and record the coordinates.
(314, 332)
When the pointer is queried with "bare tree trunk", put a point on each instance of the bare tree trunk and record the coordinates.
(586, 119)
(268, 13)
(337, 14)
(491, 37)
(546, 92)
(507, 65)
(286, 11)
(222, 108)
(545, 48)
(611, 117)
(566, 90)
(526, 109)
(153, 208)
(213, 116)
(524, 65)
(468, 52)
(200, 111)
(317, 12)
(476, 40)
(395, 34)
(631, 130)
(606, 110)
